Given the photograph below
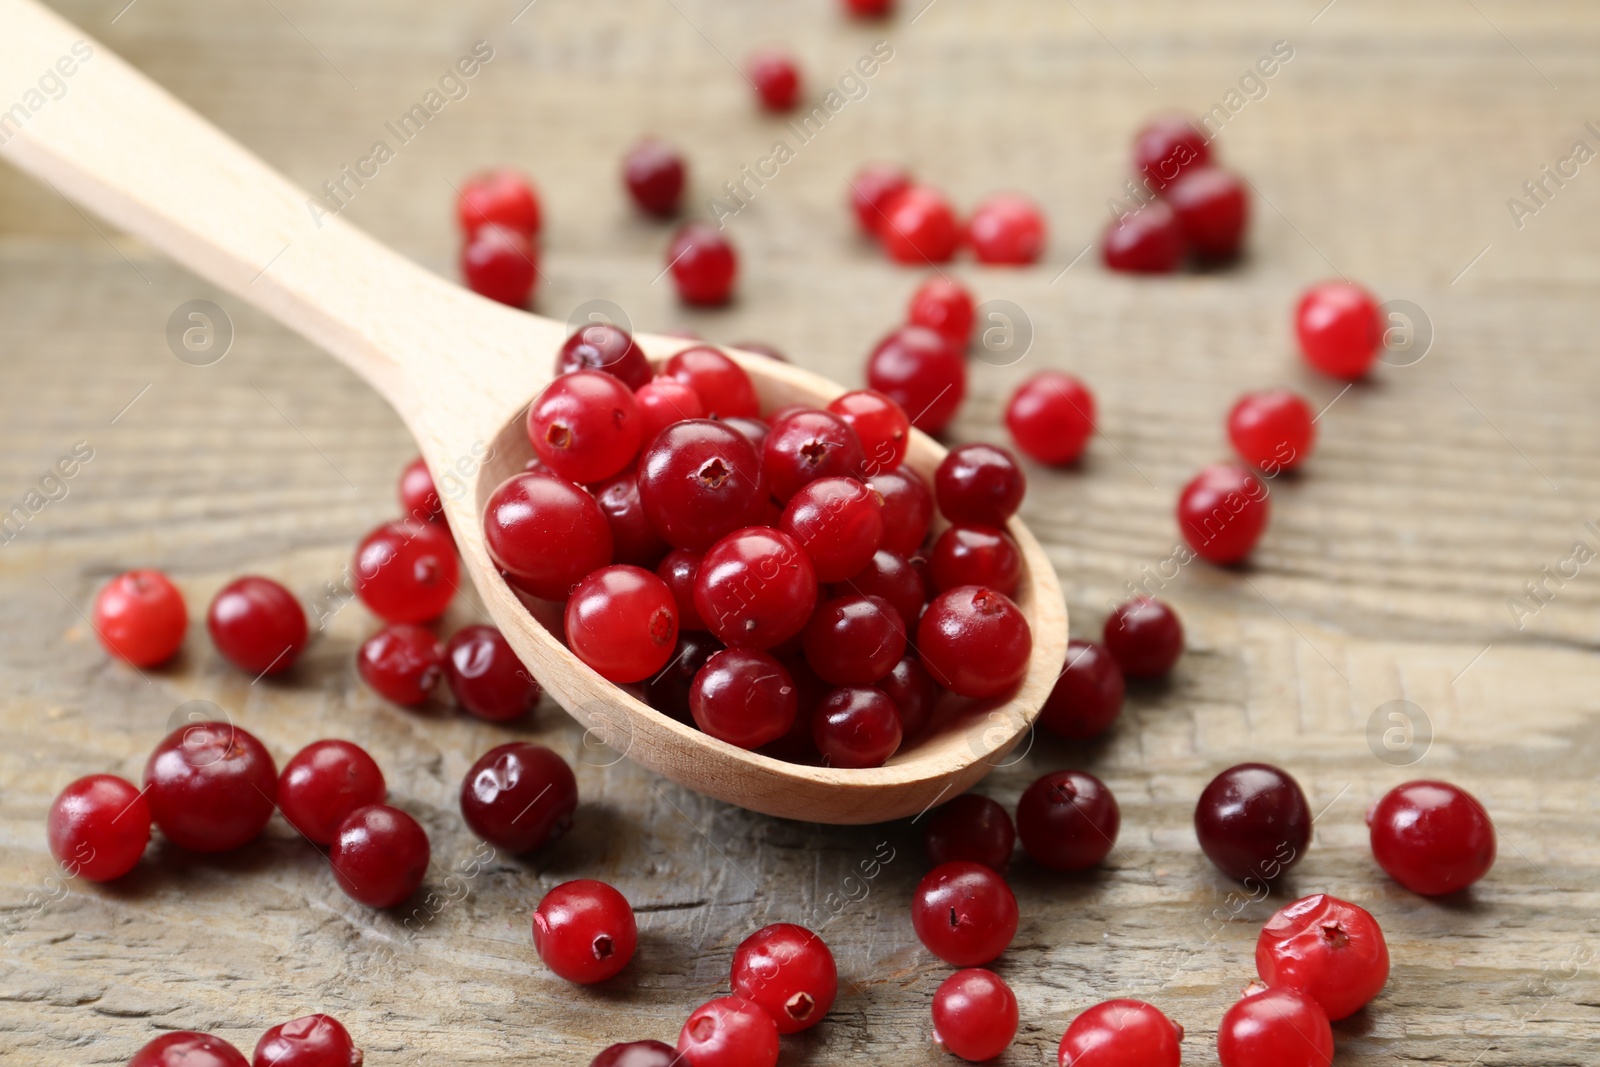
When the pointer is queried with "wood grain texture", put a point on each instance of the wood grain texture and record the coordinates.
(1386, 149)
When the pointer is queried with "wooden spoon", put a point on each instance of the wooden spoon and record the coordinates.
(460, 371)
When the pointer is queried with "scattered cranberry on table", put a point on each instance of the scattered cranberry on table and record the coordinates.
(856, 727)
(653, 172)
(1223, 512)
(257, 625)
(919, 370)
(976, 555)
(418, 498)
(379, 855)
(1068, 821)
(1007, 229)
(585, 426)
(979, 484)
(1253, 822)
(756, 588)
(974, 641)
(974, 1014)
(186, 1048)
(1051, 417)
(964, 913)
(872, 190)
(545, 534)
(919, 227)
(743, 697)
(498, 198)
(720, 383)
(788, 972)
(486, 677)
(729, 1032)
(601, 346)
(1212, 211)
(519, 797)
(1147, 241)
(622, 621)
(944, 306)
(1327, 948)
(869, 9)
(98, 827)
(703, 264)
(309, 1041)
(776, 77)
(1272, 430)
(1275, 1028)
(1121, 1033)
(1088, 694)
(211, 786)
(502, 264)
(1145, 637)
(1168, 146)
(1432, 837)
(324, 783)
(973, 828)
(1340, 328)
(636, 1054)
(140, 617)
(406, 571)
(584, 931)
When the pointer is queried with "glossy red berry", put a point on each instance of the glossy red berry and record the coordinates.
(974, 641)
(584, 931)
(974, 1014)
(879, 423)
(324, 783)
(1051, 417)
(1212, 211)
(907, 509)
(585, 426)
(1121, 1033)
(601, 346)
(869, 9)
(98, 827)
(973, 828)
(1275, 1028)
(872, 190)
(185, 1048)
(917, 369)
(140, 617)
(210, 786)
(699, 481)
(807, 445)
(839, 523)
(789, 973)
(501, 264)
(722, 385)
(1340, 329)
(622, 621)
(519, 797)
(1144, 637)
(703, 264)
(486, 677)
(379, 855)
(1253, 822)
(979, 484)
(499, 198)
(913, 692)
(1432, 837)
(1007, 229)
(854, 640)
(679, 569)
(1068, 821)
(919, 227)
(945, 307)
(545, 533)
(743, 697)
(309, 1041)
(964, 913)
(891, 577)
(257, 625)
(1087, 697)
(418, 498)
(855, 727)
(729, 1032)
(637, 1054)
(1272, 430)
(662, 402)
(776, 77)
(406, 571)
(1148, 241)
(756, 588)
(653, 172)
(976, 555)
(1167, 147)
(1223, 512)
(1327, 948)
(633, 539)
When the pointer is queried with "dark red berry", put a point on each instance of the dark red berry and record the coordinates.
(486, 677)
(1147, 241)
(869, 9)
(1051, 417)
(140, 617)
(653, 171)
(98, 827)
(855, 727)
(789, 973)
(679, 569)
(185, 1048)
(964, 913)
(974, 641)
(703, 264)
(919, 227)
(722, 385)
(210, 786)
(499, 198)
(601, 346)
(776, 77)
(907, 509)
(872, 190)
(1166, 148)
(668, 692)
(623, 622)
(545, 533)
(418, 498)
(1253, 822)
(945, 307)
(854, 640)
(1087, 697)
(379, 855)
(1273, 430)
(974, 1014)
(1145, 637)
(584, 931)
(1432, 837)
(807, 445)
(637, 1054)
(839, 523)
(501, 264)
(1212, 211)
(880, 425)
(743, 697)
(662, 402)
(1068, 821)
(1223, 512)
(309, 1041)
(1329, 949)
(1007, 229)
(756, 588)
(519, 797)
(972, 828)
(585, 426)
(976, 555)
(728, 1032)
(633, 539)
(257, 625)
(891, 577)
(1121, 1033)
(920, 371)
(1340, 328)
(979, 485)
(406, 571)
(324, 783)
(1275, 1028)
(913, 692)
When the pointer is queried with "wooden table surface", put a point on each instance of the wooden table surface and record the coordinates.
(1397, 567)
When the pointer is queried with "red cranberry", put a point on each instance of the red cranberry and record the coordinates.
(976, 555)
(776, 76)
(584, 931)
(661, 403)
(1068, 821)
(185, 1048)
(679, 569)
(519, 797)
(140, 617)
(917, 369)
(913, 692)
(788, 972)
(945, 307)
(869, 9)
(729, 1032)
(873, 188)
(1275, 1028)
(418, 498)
(1007, 229)
(699, 481)
(756, 588)
(98, 827)
(601, 346)
(1148, 241)
(501, 264)
(622, 621)
(257, 625)
(856, 727)
(637, 1054)
(379, 855)
(499, 198)
(703, 264)
(839, 523)
(974, 1014)
(545, 533)
(972, 828)
(743, 697)
(1087, 697)
(653, 171)
(633, 539)
(1222, 513)
(1212, 212)
(210, 786)
(1121, 1033)
(979, 485)
(486, 677)
(1329, 949)
(585, 426)
(309, 1041)
(668, 692)
(1167, 147)
(1145, 637)
(964, 913)
(907, 509)
(891, 577)
(406, 571)
(1253, 822)
(324, 783)
(807, 445)
(854, 640)
(721, 384)
(919, 227)
(1432, 837)
(1051, 417)
(879, 423)
(1272, 430)
(974, 641)
(1340, 329)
